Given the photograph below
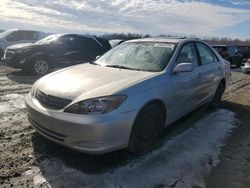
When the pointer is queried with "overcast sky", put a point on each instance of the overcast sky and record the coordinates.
(219, 18)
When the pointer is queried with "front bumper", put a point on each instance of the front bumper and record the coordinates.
(13, 59)
(14, 62)
(93, 134)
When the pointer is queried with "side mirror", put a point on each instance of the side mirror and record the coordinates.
(184, 67)
(97, 57)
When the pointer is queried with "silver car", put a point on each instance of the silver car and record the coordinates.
(126, 97)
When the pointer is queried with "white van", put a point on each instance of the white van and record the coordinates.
(14, 36)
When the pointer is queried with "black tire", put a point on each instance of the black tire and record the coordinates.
(1, 53)
(216, 102)
(39, 66)
(146, 128)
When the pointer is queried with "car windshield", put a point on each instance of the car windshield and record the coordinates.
(48, 39)
(144, 56)
(5, 33)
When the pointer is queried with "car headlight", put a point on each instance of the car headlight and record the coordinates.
(99, 105)
(33, 90)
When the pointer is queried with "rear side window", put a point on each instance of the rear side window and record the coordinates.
(104, 43)
(66, 40)
(90, 45)
(86, 42)
(206, 54)
(188, 55)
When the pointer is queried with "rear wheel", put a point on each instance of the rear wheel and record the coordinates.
(146, 129)
(40, 66)
(218, 96)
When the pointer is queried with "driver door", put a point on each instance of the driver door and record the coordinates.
(185, 86)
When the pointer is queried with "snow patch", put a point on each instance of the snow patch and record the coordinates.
(182, 162)
(11, 102)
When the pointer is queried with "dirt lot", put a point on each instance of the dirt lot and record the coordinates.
(204, 149)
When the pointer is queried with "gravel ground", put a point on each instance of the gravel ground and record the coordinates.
(203, 149)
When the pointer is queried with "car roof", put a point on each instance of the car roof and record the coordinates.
(164, 39)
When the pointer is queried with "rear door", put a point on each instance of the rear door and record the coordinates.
(210, 71)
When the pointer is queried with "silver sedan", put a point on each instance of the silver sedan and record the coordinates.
(127, 96)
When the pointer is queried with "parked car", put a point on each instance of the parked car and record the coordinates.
(14, 36)
(230, 53)
(58, 50)
(115, 42)
(246, 67)
(126, 97)
(244, 51)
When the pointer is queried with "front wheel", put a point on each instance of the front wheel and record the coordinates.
(146, 129)
(40, 66)
(218, 96)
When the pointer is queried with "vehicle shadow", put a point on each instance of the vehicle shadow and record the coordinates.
(22, 77)
(96, 164)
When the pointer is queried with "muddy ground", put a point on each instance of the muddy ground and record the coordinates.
(204, 149)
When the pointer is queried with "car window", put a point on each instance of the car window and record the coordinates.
(232, 50)
(188, 55)
(49, 39)
(30, 35)
(86, 42)
(206, 54)
(66, 40)
(15, 36)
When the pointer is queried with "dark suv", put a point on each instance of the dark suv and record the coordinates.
(55, 51)
(244, 51)
(230, 53)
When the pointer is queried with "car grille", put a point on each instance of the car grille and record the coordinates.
(9, 54)
(50, 101)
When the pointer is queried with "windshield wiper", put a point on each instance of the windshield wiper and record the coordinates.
(93, 63)
(122, 67)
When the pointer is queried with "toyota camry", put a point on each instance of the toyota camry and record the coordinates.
(125, 98)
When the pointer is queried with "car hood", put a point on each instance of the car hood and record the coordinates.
(88, 81)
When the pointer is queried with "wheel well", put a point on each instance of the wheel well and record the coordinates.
(223, 82)
(162, 107)
(35, 57)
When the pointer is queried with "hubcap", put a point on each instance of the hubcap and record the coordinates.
(41, 67)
